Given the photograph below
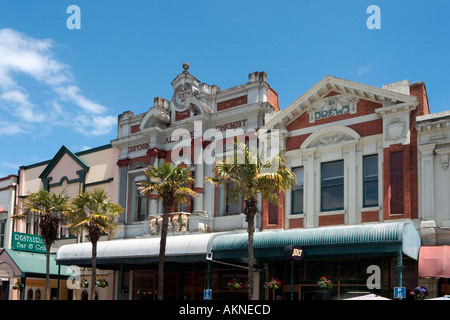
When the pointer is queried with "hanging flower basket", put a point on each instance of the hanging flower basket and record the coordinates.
(419, 293)
(84, 283)
(235, 285)
(273, 284)
(325, 283)
(17, 286)
(102, 283)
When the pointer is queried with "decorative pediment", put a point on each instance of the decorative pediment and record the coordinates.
(65, 166)
(159, 114)
(330, 136)
(317, 99)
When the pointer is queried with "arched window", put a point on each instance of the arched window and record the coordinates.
(30, 294)
(37, 296)
(84, 295)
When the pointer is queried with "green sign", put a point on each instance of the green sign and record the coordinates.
(28, 242)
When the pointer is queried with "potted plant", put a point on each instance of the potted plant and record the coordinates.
(17, 286)
(102, 283)
(325, 283)
(84, 283)
(419, 293)
(235, 285)
(273, 284)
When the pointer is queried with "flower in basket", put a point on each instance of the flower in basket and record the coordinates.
(84, 283)
(102, 283)
(419, 293)
(17, 286)
(273, 284)
(234, 285)
(325, 283)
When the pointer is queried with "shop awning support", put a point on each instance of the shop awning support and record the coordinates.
(120, 281)
(400, 267)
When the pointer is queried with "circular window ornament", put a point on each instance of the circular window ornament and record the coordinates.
(182, 92)
(396, 129)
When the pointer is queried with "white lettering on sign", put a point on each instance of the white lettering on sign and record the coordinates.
(333, 106)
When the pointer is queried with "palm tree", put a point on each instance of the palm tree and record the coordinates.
(95, 213)
(169, 183)
(246, 176)
(51, 207)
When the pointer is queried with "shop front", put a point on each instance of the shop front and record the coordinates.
(360, 259)
(357, 259)
(434, 264)
(22, 276)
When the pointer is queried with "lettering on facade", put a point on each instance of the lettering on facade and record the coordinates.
(232, 125)
(142, 146)
(190, 135)
(331, 107)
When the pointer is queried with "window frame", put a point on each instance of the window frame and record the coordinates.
(296, 189)
(322, 187)
(370, 179)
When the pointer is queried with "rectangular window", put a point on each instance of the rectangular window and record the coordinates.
(332, 184)
(297, 193)
(232, 206)
(370, 181)
(2, 233)
(141, 205)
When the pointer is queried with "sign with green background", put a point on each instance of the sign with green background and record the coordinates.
(28, 242)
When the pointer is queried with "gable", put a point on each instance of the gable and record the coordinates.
(351, 98)
(64, 167)
(332, 108)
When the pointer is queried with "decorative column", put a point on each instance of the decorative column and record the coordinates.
(155, 155)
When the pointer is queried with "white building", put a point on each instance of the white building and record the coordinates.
(434, 200)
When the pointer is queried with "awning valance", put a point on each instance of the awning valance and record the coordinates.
(180, 248)
(434, 262)
(380, 238)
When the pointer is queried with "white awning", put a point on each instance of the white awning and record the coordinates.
(178, 248)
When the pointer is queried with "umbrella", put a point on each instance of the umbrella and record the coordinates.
(368, 297)
(447, 297)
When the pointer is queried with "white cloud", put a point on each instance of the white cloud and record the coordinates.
(64, 105)
(10, 128)
(363, 70)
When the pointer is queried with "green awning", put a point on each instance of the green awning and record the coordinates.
(30, 263)
(380, 238)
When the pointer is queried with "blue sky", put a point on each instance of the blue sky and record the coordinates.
(66, 87)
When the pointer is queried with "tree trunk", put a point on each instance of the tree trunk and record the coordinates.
(250, 218)
(167, 205)
(47, 271)
(94, 235)
(94, 268)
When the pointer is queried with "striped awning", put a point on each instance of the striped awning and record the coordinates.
(388, 238)
(182, 248)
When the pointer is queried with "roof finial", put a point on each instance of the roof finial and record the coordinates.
(185, 66)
